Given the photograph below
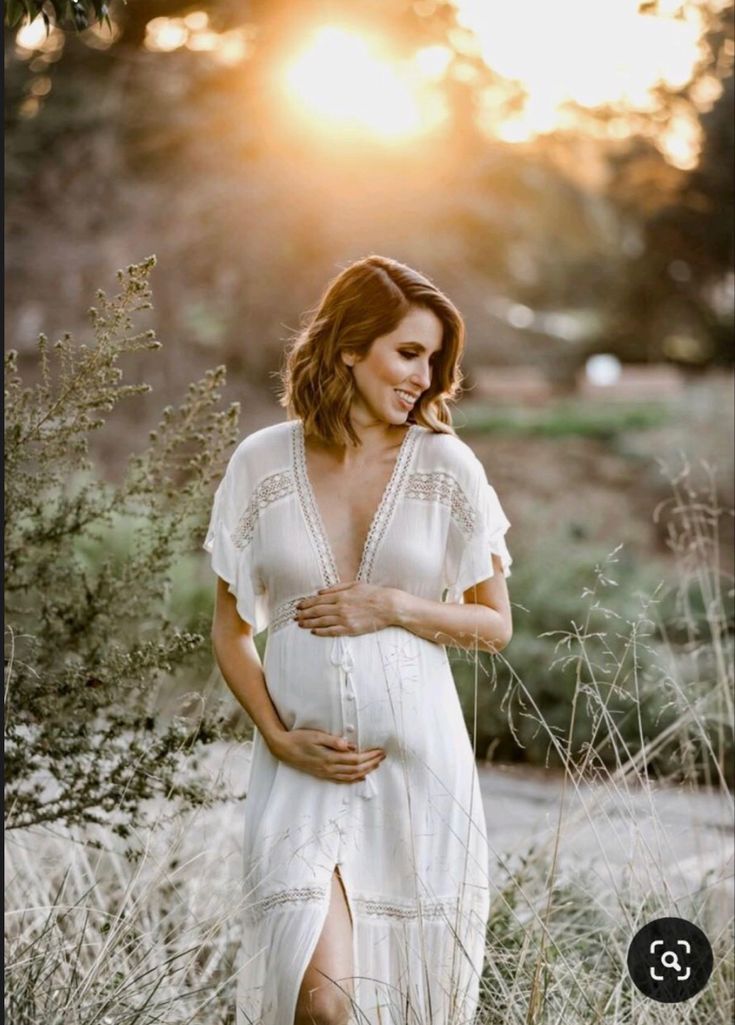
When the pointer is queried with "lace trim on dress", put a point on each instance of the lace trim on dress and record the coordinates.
(384, 514)
(284, 613)
(303, 895)
(271, 488)
(438, 486)
(311, 512)
(403, 910)
(407, 910)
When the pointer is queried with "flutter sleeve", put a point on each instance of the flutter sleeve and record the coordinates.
(477, 533)
(230, 541)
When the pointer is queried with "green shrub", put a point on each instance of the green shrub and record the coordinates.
(89, 564)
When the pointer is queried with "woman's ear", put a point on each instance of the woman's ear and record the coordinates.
(348, 358)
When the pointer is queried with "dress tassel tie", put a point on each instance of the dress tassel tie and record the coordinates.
(341, 656)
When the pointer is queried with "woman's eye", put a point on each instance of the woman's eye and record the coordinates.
(408, 354)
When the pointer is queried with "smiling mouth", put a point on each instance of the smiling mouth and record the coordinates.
(406, 397)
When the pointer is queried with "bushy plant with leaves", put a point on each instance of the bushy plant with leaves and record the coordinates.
(88, 630)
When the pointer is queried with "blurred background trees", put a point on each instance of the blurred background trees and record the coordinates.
(563, 219)
(562, 170)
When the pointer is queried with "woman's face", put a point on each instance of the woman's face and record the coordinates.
(397, 362)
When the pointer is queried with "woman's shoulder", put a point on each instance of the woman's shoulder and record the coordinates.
(448, 452)
(266, 449)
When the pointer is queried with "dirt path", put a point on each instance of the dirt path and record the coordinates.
(670, 840)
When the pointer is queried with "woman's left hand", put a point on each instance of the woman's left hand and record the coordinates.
(347, 610)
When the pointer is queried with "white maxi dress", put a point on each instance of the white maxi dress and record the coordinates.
(410, 839)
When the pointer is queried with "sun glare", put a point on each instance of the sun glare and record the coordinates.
(342, 81)
(433, 61)
(565, 55)
(590, 52)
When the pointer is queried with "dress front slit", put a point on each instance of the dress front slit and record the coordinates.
(290, 1012)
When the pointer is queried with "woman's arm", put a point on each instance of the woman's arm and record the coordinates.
(322, 754)
(484, 622)
(353, 608)
(239, 662)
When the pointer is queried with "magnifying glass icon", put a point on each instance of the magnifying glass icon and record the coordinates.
(669, 960)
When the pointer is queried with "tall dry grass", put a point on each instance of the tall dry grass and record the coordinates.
(99, 933)
(560, 928)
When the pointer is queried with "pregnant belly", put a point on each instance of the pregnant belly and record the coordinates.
(398, 694)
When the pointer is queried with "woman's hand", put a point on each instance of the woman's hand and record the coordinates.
(325, 755)
(347, 609)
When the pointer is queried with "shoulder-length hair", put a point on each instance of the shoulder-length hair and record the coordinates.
(365, 301)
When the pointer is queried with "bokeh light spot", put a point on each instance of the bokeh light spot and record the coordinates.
(603, 369)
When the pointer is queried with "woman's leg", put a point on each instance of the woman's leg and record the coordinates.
(323, 997)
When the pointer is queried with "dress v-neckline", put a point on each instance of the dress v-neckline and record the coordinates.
(313, 516)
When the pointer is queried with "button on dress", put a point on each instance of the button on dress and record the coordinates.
(410, 839)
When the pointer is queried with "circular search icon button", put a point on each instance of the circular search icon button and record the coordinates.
(670, 960)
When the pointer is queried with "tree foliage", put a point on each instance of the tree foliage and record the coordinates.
(77, 14)
(88, 633)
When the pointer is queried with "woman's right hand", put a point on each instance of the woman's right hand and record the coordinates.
(325, 755)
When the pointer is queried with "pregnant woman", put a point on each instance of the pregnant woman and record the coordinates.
(365, 535)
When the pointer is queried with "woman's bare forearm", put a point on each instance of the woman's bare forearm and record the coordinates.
(240, 665)
(470, 626)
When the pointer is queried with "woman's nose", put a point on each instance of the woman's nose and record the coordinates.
(422, 379)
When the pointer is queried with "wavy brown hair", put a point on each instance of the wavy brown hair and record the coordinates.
(366, 300)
